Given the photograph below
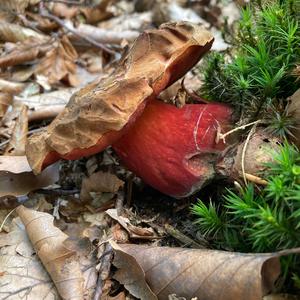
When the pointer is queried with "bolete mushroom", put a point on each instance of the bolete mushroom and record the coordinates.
(99, 114)
(175, 149)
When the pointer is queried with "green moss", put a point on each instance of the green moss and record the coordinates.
(257, 75)
(260, 221)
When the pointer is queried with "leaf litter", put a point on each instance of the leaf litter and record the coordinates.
(44, 61)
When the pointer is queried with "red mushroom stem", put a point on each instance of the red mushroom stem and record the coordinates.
(174, 149)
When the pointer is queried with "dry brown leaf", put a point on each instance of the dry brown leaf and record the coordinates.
(9, 120)
(294, 111)
(46, 100)
(205, 274)
(14, 33)
(16, 6)
(100, 183)
(59, 63)
(96, 113)
(17, 179)
(27, 51)
(134, 231)
(22, 274)
(63, 258)
(5, 102)
(17, 142)
(10, 87)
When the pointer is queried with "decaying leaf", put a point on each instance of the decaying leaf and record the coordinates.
(21, 273)
(10, 87)
(5, 101)
(16, 145)
(27, 51)
(131, 274)
(100, 183)
(134, 232)
(205, 274)
(96, 114)
(16, 6)
(14, 33)
(17, 179)
(63, 258)
(59, 63)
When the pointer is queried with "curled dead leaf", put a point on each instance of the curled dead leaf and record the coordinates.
(17, 179)
(135, 232)
(59, 63)
(10, 32)
(205, 274)
(27, 51)
(21, 272)
(5, 101)
(16, 145)
(62, 258)
(95, 116)
(100, 183)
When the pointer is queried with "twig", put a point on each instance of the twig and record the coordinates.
(68, 2)
(5, 219)
(256, 179)
(120, 202)
(221, 136)
(46, 14)
(185, 239)
(104, 270)
(244, 151)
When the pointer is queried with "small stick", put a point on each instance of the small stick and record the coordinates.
(120, 202)
(6, 218)
(221, 136)
(104, 270)
(46, 14)
(256, 179)
(183, 238)
(244, 151)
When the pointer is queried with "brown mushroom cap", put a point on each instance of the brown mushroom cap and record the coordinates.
(98, 114)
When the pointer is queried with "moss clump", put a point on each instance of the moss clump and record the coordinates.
(258, 75)
(260, 221)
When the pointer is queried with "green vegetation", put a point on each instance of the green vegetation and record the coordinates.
(260, 221)
(258, 75)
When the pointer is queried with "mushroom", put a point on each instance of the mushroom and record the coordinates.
(174, 149)
(99, 114)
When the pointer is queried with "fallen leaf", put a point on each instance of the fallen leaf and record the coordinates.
(46, 100)
(100, 183)
(16, 6)
(22, 274)
(134, 231)
(11, 87)
(5, 102)
(10, 32)
(17, 179)
(131, 274)
(17, 142)
(59, 63)
(64, 259)
(27, 51)
(205, 274)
